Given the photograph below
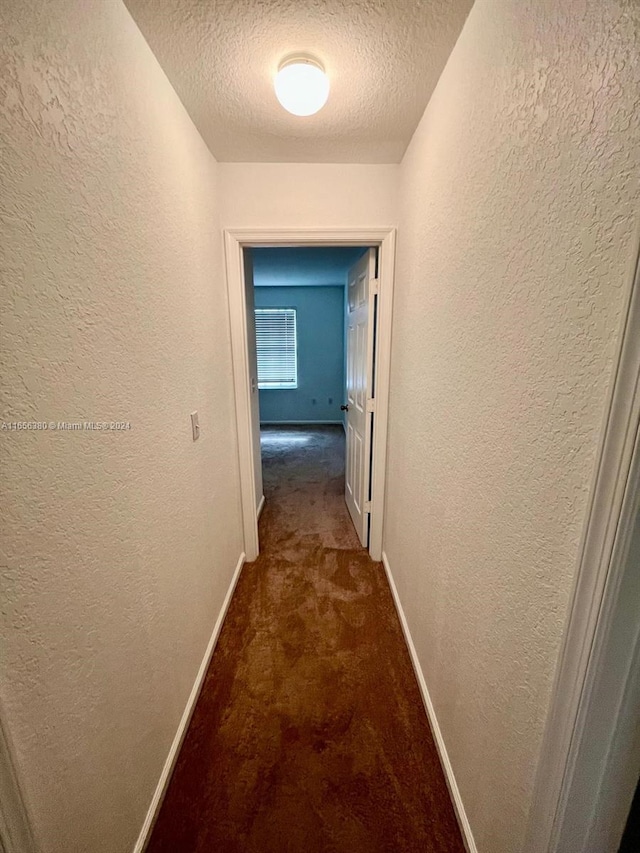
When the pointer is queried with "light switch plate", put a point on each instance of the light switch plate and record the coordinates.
(195, 426)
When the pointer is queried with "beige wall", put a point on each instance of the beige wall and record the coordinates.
(307, 195)
(517, 204)
(117, 548)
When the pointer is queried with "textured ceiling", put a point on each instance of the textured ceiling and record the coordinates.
(383, 57)
(306, 265)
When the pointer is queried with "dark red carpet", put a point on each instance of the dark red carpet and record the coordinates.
(309, 734)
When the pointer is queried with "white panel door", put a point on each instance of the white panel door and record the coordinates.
(253, 373)
(361, 289)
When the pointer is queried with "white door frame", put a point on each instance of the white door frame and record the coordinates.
(16, 828)
(235, 240)
(560, 820)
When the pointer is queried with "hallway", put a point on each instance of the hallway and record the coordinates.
(493, 145)
(309, 734)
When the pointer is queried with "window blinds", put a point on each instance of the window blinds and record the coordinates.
(276, 347)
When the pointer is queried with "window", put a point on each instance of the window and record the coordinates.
(277, 347)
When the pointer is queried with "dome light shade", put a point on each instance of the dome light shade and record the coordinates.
(302, 86)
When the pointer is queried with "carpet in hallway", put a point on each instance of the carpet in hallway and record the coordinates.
(309, 734)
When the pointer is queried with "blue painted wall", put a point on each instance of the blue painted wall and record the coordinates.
(303, 265)
(320, 326)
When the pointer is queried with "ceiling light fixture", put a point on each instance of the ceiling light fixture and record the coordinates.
(301, 85)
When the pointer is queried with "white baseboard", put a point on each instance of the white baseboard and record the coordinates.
(165, 776)
(300, 423)
(260, 506)
(463, 821)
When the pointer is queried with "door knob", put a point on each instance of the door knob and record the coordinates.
(344, 408)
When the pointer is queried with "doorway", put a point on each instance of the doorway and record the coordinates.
(301, 321)
(238, 246)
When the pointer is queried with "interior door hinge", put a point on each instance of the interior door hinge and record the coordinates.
(371, 405)
(374, 286)
(367, 506)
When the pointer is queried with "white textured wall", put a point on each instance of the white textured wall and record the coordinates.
(517, 205)
(307, 195)
(117, 549)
